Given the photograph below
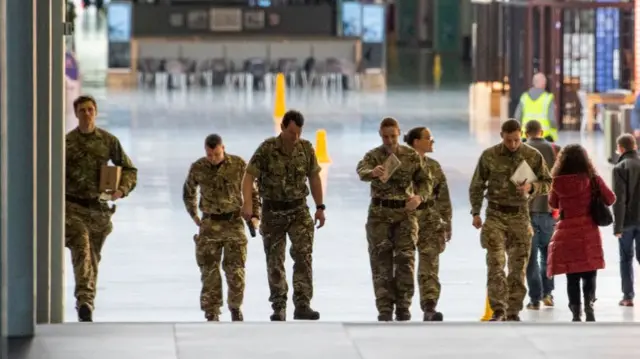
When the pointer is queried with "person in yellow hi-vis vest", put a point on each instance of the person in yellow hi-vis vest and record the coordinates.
(538, 104)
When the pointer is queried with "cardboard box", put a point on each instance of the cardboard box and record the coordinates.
(110, 178)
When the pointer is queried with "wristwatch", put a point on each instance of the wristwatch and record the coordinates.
(321, 207)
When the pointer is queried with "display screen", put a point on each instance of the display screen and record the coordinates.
(607, 48)
(119, 35)
(373, 23)
(351, 19)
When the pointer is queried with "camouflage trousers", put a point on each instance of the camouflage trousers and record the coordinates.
(392, 235)
(431, 243)
(86, 230)
(507, 240)
(275, 226)
(221, 241)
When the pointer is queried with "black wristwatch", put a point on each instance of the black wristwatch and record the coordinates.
(321, 207)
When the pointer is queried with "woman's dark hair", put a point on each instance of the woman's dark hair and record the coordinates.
(414, 134)
(573, 159)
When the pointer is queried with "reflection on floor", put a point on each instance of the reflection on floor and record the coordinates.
(148, 271)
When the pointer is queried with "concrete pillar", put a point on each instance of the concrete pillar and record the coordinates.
(18, 171)
(43, 160)
(58, 101)
(3, 188)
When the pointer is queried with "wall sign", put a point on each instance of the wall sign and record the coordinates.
(225, 19)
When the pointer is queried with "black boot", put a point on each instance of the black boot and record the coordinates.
(85, 313)
(575, 310)
(304, 312)
(589, 315)
(279, 315)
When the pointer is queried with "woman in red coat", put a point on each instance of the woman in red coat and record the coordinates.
(576, 246)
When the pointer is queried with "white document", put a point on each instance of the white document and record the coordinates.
(523, 173)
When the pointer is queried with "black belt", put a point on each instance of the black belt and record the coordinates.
(389, 203)
(221, 216)
(428, 204)
(276, 206)
(84, 202)
(506, 209)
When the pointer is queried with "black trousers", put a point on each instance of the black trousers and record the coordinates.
(588, 287)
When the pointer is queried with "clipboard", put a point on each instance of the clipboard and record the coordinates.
(523, 173)
(391, 164)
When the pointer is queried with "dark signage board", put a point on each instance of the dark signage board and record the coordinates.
(198, 20)
(119, 34)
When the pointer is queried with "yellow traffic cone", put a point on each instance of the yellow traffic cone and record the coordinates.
(279, 103)
(322, 152)
(488, 312)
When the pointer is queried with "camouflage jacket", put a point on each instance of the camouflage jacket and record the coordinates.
(220, 187)
(86, 153)
(411, 178)
(492, 177)
(442, 206)
(282, 176)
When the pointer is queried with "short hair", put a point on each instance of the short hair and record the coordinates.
(389, 122)
(510, 126)
(293, 116)
(414, 134)
(533, 127)
(84, 99)
(627, 141)
(212, 141)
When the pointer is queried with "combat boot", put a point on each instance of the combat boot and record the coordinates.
(305, 312)
(403, 315)
(385, 316)
(498, 316)
(577, 313)
(236, 315)
(279, 315)
(85, 313)
(212, 317)
(513, 318)
(430, 313)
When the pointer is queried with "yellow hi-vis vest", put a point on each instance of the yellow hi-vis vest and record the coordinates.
(538, 110)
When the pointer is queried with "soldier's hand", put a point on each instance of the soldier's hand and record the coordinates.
(247, 211)
(197, 221)
(477, 222)
(319, 218)
(117, 195)
(524, 187)
(413, 203)
(378, 171)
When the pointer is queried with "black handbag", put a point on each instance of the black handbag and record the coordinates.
(600, 212)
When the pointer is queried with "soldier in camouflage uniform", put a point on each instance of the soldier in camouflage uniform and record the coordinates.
(281, 165)
(392, 222)
(221, 228)
(87, 219)
(507, 230)
(434, 220)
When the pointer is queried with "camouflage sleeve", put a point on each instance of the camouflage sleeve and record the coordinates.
(423, 179)
(365, 167)
(314, 167)
(129, 177)
(442, 197)
(543, 185)
(257, 162)
(189, 193)
(257, 206)
(478, 185)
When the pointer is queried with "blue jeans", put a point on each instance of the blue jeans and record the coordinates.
(537, 281)
(625, 243)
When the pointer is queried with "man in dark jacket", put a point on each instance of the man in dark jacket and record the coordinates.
(542, 221)
(626, 211)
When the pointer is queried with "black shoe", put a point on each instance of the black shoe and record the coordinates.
(403, 315)
(533, 306)
(432, 316)
(212, 317)
(279, 315)
(589, 315)
(385, 317)
(85, 313)
(305, 313)
(512, 318)
(236, 315)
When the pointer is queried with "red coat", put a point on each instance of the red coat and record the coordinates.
(576, 245)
